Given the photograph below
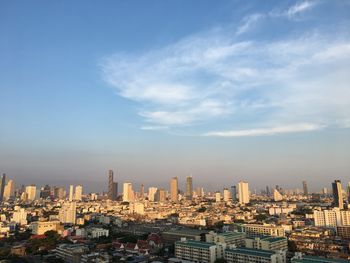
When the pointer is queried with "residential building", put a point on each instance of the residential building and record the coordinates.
(267, 243)
(174, 189)
(229, 238)
(244, 255)
(243, 192)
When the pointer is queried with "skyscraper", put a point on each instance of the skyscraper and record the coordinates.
(9, 190)
(189, 188)
(78, 192)
(337, 194)
(277, 195)
(151, 193)
(306, 192)
(160, 195)
(227, 195)
(31, 192)
(2, 186)
(142, 192)
(234, 193)
(243, 192)
(128, 193)
(174, 189)
(112, 186)
(71, 192)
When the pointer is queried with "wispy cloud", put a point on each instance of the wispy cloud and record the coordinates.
(303, 127)
(211, 76)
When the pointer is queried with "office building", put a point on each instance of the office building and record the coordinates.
(243, 192)
(67, 213)
(234, 193)
(227, 195)
(189, 188)
(217, 197)
(277, 195)
(45, 192)
(112, 186)
(31, 192)
(2, 186)
(142, 192)
(337, 194)
(128, 193)
(71, 192)
(9, 190)
(160, 195)
(174, 189)
(152, 193)
(305, 190)
(78, 193)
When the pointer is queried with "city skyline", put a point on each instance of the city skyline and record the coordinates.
(234, 91)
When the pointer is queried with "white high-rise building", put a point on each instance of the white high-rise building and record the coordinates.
(71, 192)
(128, 193)
(227, 195)
(152, 193)
(332, 218)
(277, 196)
(19, 216)
(243, 192)
(67, 213)
(174, 189)
(9, 190)
(217, 197)
(31, 192)
(78, 192)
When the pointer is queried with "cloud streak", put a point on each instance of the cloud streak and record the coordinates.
(304, 127)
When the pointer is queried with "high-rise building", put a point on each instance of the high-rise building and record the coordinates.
(110, 185)
(337, 194)
(234, 193)
(9, 190)
(59, 192)
(2, 186)
(78, 192)
(151, 193)
(128, 193)
(67, 213)
(217, 196)
(189, 188)
(243, 192)
(227, 195)
(142, 192)
(160, 195)
(348, 192)
(31, 192)
(277, 195)
(174, 189)
(267, 190)
(71, 192)
(45, 192)
(305, 190)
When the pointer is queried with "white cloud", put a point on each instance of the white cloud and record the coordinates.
(211, 76)
(248, 22)
(304, 127)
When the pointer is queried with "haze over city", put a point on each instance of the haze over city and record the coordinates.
(223, 91)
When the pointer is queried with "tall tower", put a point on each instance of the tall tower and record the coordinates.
(9, 190)
(128, 193)
(2, 186)
(243, 192)
(306, 192)
(110, 184)
(189, 188)
(142, 192)
(31, 192)
(337, 194)
(71, 192)
(78, 192)
(67, 213)
(234, 193)
(174, 189)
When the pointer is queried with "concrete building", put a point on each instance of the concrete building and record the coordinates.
(40, 227)
(338, 194)
(128, 193)
(217, 197)
(244, 255)
(78, 193)
(160, 195)
(31, 192)
(71, 193)
(227, 195)
(277, 195)
(229, 238)
(267, 243)
(152, 193)
(243, 193)
(332, 218)
(255, 230)
(9, 190)
(174, 189)
(189, 188)
(196, 251)
(19, 216)
(67, 213)
(71, 253)
(300, 258)
(2, 186)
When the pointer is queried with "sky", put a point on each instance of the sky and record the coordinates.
(220, 90)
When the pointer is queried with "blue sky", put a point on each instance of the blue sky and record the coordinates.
(255, 90)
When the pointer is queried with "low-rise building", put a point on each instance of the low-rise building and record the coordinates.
(40, 227)
(244, 255)
(229, 238)
(267, 243)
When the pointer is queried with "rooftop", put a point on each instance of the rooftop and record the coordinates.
(252, 252)
(311, 259)
(198, 244)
